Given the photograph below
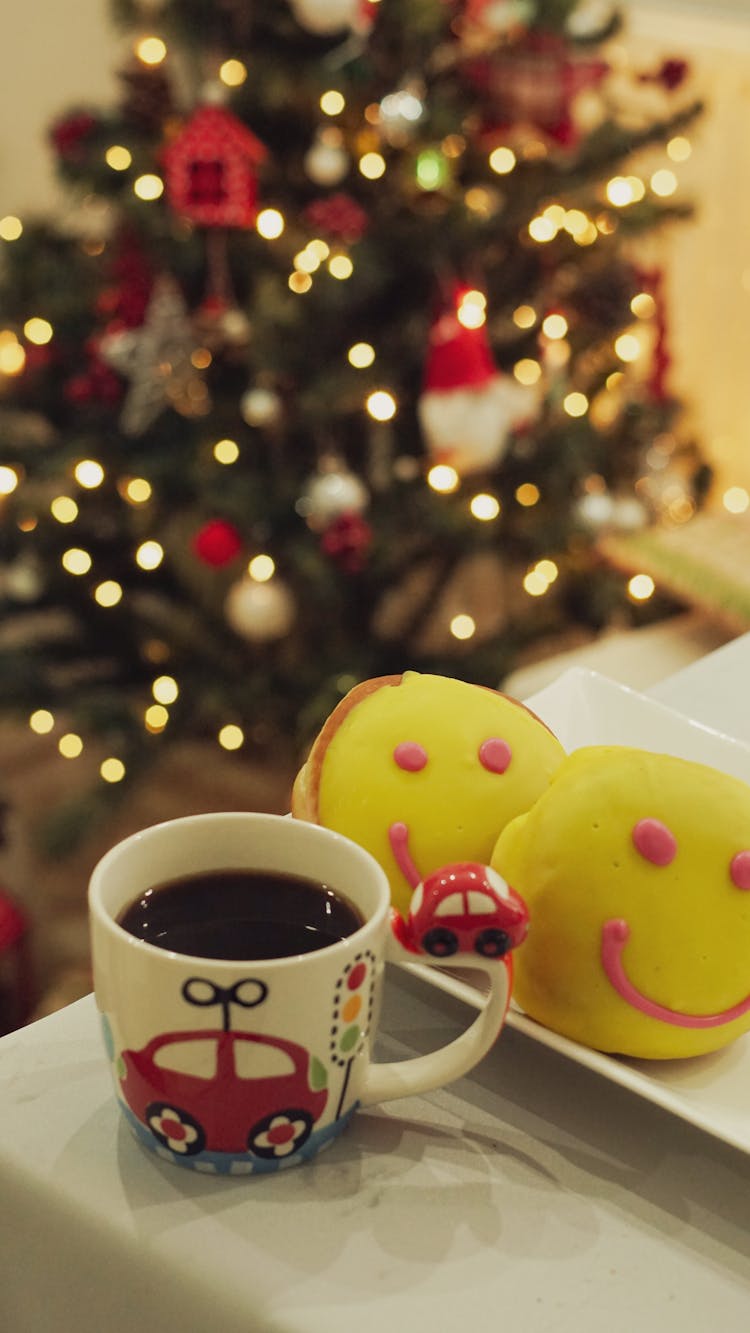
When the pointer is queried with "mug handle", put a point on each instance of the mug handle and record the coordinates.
(424, 1073)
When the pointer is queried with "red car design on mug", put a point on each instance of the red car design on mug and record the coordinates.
(254, 1093)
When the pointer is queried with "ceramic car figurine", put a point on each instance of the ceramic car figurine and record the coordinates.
(463, 908)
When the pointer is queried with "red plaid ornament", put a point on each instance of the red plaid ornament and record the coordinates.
(339, 216)
(210, 169)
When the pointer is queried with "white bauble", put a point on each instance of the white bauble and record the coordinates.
(260, 407)
(326, 16)
(589, 18)
(260, 612)
(594, 510)
(628, 513)
(326, 160)
(469, 428)
(331, 493)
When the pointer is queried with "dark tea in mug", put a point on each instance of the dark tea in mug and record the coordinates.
(241, 914)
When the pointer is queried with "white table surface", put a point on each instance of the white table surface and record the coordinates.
(532, 1194)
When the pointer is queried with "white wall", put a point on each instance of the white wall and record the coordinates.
(709, 268)
(54, 53)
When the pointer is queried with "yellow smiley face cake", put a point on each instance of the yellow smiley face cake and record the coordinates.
(635, 868)
(424, 770)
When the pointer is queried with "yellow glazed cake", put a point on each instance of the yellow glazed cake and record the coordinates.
(635, 868)
(423, 770)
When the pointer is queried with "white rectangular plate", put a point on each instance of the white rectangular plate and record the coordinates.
(710, 1091)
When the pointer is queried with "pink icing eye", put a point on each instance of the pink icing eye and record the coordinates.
(495, 755)
(410, 756)
(739, 870)
(654, 841)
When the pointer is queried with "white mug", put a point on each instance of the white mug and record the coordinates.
(281, 1074)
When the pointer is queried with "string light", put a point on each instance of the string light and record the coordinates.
(372, 166)
(555, 326)
(136, 490)
(643, 305)
(332, 102)
(155, 718)
(502, 160)
(300, 282)
(443, 478)
(64, 509)
(38, 331)
(679, 149)
(736, 500)
(463, 627)
(576, 404)
(527, 494)
(261, 568)
(361, 355)
(89, 474)
(381, 405)
(231, 737)
(148, 187)
(11, 228)
(663, 183)
(319, 247)
(149, 555)
(472, 310)
(622, 191)
(201, 358)
(524, 317)
(108, 593)
(431, 169)
(41, 721)
(118, 157)
(70, 745)
(542, 230)
(641, 587)
(76, 561)
(112, 770)
(628, 347)
(485, 507)
(8, 480)
(165, 689)
(226, 451)
(535, 584)
(341, 267)
(12, 354)
(151, 50)
(527, 371)
(233, 73)
(270, 224)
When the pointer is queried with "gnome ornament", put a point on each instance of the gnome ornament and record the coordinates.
(468, 409)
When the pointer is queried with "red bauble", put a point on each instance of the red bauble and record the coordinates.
(347, 542)
(70, 134)
(210, 169)
(217, 543)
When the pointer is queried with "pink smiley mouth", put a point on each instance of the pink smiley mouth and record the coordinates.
(398, 837)
(615, 935)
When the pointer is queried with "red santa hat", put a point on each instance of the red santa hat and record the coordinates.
(468, 409)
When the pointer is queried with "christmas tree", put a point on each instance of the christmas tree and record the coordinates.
(350, 349)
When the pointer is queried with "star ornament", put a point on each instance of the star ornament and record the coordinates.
(157, 360)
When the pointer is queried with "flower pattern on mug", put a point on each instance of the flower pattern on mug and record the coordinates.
(176, 1132)
(281, 1136)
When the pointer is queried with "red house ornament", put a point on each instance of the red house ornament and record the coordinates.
(210, 169)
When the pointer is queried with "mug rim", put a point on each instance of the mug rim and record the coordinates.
(102, 916)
